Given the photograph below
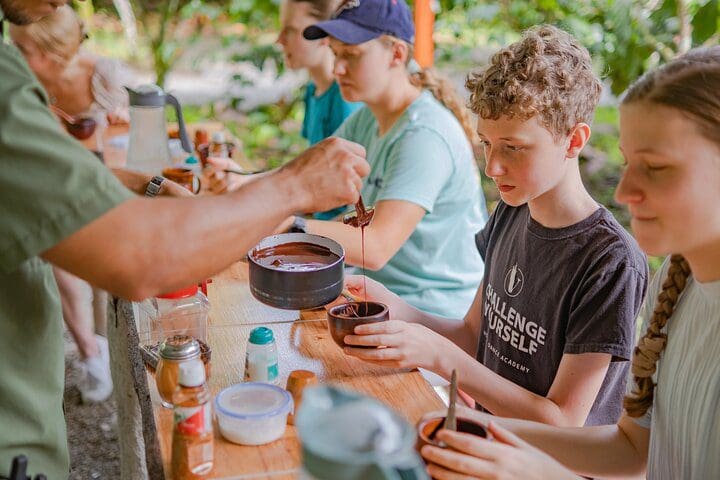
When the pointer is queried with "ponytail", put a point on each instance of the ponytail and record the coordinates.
(444, 92)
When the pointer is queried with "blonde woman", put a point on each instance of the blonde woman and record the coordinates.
(670, 137)
(79, 83)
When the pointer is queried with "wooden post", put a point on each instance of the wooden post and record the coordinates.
(424, 25)
(139, 445)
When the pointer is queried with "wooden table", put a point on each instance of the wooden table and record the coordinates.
(303, 343)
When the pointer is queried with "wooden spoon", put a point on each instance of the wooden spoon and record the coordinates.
(450, 420)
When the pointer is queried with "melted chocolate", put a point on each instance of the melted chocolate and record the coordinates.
(295, 257)
(362, 217)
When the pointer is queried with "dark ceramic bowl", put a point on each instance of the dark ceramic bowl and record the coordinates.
(297, 290)
(341, 320)
(81, 128)
(427, 428)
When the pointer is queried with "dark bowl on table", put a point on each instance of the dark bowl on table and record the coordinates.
(426, 430)
(342, 319)
(81, 128)
(297, 290)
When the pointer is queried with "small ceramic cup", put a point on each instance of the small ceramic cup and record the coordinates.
(427, 428)
(296, 383)
(184, 177)
(342, 319)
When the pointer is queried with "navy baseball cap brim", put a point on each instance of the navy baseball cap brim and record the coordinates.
(344, 30)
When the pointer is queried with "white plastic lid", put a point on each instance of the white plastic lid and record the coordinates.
(218, 137)
(192, 373)
(253, 400)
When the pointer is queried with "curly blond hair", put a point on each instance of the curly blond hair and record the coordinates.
(546, 74)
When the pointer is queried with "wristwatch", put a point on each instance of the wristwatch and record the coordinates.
(153, 186)
(299, 225)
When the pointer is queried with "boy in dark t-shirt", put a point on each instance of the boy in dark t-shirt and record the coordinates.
(551, 328)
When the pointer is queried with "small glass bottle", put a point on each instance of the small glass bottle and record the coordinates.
(174, 351)
(218, 147)
(192, 440)
(261, 357)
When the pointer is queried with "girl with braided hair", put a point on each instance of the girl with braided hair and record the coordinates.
(670, 137)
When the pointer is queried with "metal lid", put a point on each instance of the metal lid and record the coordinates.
(146, 96)
(179, 347)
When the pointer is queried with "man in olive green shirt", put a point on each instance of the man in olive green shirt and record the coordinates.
(59, 205)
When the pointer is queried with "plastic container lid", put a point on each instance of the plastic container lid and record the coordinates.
(218, 137)
(253, 401)
(182, 293)
(191, 374)
(261, 336)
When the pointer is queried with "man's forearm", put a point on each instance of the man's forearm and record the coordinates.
(137, 243)
(134, 181)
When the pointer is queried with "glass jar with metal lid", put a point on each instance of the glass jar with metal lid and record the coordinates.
(173, 351)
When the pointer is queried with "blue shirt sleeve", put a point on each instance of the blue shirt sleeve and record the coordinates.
(306, 118)
(418, 167)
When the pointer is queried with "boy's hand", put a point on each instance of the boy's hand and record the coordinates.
(406, 345)
(505, 457)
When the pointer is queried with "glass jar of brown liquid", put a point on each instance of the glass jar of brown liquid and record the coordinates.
(173, 351)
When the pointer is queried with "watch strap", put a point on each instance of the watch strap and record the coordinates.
(153, 187)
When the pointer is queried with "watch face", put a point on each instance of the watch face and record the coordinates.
(154, 186)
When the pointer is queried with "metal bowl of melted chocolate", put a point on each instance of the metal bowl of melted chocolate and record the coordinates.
(296, 271)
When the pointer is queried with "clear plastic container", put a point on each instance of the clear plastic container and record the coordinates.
(253, 413)
(183, 312)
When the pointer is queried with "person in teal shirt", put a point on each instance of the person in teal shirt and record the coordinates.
(324, 112)
(325, 108)
(424, 182)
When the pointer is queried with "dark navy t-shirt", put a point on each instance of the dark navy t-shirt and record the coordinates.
(552, 291)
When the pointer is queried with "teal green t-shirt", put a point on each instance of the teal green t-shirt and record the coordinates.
(426, 159)
(323, 115)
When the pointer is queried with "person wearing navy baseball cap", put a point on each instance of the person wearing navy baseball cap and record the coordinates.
(424, 181)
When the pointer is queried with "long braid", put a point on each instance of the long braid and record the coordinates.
(651, 345)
